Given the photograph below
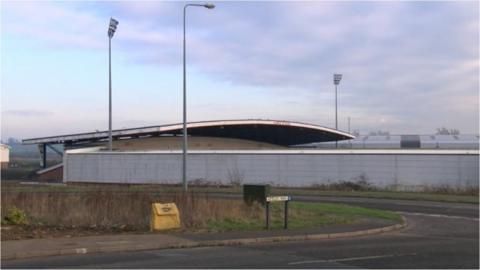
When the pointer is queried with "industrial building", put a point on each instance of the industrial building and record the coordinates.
(468, 142)
(258, 151)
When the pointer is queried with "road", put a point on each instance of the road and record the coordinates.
(397, 205)
(439, 235)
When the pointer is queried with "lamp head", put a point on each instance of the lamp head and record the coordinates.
(112, 27)
(209, 5)
(337, 78)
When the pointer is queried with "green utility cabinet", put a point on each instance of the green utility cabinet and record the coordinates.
(255, 193)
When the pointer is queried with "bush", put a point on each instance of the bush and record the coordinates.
(15, 217)
(358, 183)
(446, 189)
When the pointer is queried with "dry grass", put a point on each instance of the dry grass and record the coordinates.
(57, 212)
(107, 208)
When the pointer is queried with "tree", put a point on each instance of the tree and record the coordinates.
(379, 133)
(446, 131)
(12, 141)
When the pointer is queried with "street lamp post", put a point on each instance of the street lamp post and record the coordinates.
(336, 81)
(184, 164)
(111, 30)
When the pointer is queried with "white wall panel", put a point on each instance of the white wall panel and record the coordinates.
(407, 171)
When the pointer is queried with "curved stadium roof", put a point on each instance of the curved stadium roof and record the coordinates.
(284, 133)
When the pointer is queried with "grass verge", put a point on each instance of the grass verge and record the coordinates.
(50, 214)
(305, 215)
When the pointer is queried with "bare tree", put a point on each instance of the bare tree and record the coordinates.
(446, 131)
(379, 133)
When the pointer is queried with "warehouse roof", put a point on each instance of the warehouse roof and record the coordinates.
(270, 131)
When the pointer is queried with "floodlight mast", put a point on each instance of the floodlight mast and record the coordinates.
(185, 134)
(111, 30)
(336, 80)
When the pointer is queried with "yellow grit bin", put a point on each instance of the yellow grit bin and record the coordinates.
(164, 216)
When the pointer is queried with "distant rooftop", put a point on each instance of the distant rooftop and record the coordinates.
(406, 141)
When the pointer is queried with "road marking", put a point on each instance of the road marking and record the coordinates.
(351, 259)
(81, 250)
(436, 215)
(112, 242)
(172, 255)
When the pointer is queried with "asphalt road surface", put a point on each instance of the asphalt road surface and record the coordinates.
(439, 235)
(408, 206)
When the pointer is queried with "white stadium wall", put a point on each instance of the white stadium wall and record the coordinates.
(399, 169)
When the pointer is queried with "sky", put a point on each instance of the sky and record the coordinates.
(408, 67)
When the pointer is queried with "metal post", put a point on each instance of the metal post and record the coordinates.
(111, 31)
(110, 94)
(184, 166)
(336, 120)
(185, 134)
(267, 218)
(286, 215)
(44, 155)
(350, 144)
(349, 124)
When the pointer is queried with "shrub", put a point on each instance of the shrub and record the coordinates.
(235, 177)
(15, 216)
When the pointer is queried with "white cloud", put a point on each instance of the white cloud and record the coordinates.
(400, 60)
(27, 113)
(54, 24)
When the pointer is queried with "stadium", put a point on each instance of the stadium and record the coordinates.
(280, 153)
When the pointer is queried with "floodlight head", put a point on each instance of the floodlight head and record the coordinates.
(112, 27)
(209, 5)
(337, 78)
(113, 22)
